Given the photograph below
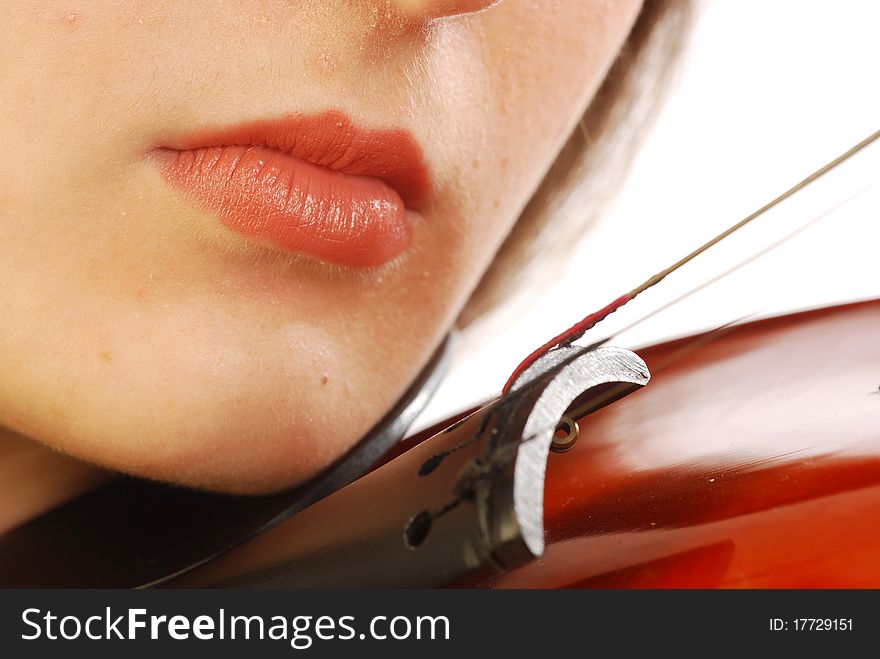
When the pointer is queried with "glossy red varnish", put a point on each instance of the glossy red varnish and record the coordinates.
(750, 462)
(313, 184)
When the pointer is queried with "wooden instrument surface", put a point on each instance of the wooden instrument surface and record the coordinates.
(750, 461)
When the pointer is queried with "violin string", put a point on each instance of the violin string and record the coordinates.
(740, 265)
(582, 326)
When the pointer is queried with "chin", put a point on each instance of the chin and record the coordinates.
(250, 429)
(235, 452)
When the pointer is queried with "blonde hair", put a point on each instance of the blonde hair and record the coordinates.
(595, 157)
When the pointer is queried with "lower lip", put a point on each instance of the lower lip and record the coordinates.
(293, 205)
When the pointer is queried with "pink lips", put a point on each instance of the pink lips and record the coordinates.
(307, 184)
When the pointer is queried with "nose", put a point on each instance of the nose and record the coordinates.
(430, 9)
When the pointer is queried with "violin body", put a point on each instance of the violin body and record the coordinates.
(751, 461)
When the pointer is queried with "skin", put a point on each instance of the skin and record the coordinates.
(139, 334)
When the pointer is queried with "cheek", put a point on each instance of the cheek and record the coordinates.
(541, 63)
(547, 60)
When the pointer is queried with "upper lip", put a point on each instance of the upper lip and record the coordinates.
(333, 141)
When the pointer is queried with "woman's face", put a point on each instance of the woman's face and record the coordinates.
(233, 232)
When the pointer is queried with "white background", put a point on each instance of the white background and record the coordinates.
(768, 92)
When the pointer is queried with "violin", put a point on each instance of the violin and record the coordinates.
(752, 461)
(747, 457)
